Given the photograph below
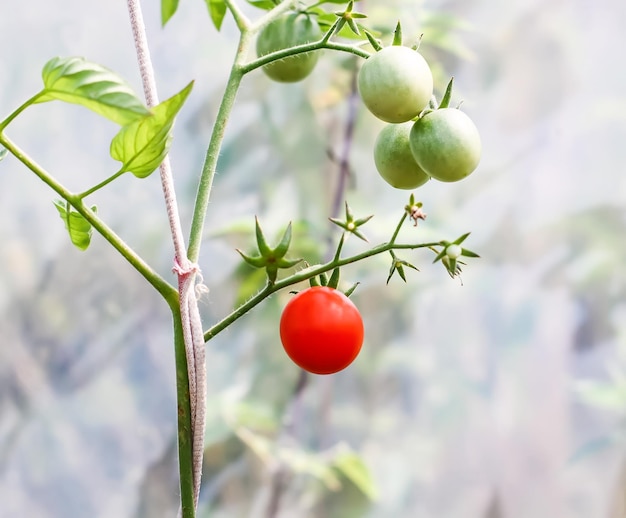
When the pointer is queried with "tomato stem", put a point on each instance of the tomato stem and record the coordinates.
(306, 274)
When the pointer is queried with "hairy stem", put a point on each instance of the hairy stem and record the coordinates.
(305, 275)
(212, 155)
(299, 49)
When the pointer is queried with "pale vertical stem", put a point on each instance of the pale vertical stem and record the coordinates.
(186, 271)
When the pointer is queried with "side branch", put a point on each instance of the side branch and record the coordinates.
(304, 275)
(299, 49)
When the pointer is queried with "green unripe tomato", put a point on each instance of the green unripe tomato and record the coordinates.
(394, 159)
(395, 84)
(287, 31)
(446, 144)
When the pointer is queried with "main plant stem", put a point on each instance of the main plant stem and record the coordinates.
(212, 155)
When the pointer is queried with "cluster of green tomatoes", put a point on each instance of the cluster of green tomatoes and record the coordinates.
(423, 140)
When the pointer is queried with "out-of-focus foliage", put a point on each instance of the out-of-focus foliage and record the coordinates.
(462, 402)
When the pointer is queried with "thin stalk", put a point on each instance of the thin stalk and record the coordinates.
(161, 285)
(102, 184)
(304, 275)
(398, 227)
(19, 110)
(299, 49)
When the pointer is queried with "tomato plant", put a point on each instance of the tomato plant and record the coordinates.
(287, 31)
(394, 159)
(446, 144)
(321, 330)
(395, 84)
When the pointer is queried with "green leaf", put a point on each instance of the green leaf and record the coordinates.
(352, 466)
(3, 153)
(217, 10)
(75, 80)
(77, 226)
(168, 8)
(142, 145)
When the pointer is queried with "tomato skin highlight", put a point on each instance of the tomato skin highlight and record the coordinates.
(395, 84)
(446, 144)
(287, 31)
(321, 330)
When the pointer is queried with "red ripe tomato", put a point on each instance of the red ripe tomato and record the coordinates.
(321, 330)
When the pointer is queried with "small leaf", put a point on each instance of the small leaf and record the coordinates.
(328, 20)
(459, 240)
(168, 8)
(283, 246)
(397, 35)
(75, 80)
(333, 282)
(373, 41)
(217, 10)
(77, 226)
(351, 289)
(255, 261)
(353, 26)
(3, 153)
(142, 145)
(445, 101)
(469, 253)
(352, 466)
(261, 242)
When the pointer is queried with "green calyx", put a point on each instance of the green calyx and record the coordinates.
(332, 282)
(272, 259)
(351, 224)
(348, 17)
(397, 265)
(450, 254)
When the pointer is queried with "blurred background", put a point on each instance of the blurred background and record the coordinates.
(501, 396)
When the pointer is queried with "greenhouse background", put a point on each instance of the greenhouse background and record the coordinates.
(500, 395)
